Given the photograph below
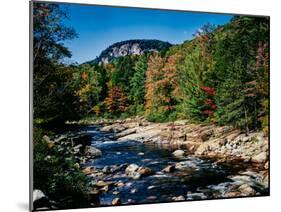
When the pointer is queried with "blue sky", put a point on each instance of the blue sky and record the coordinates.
(99, 26)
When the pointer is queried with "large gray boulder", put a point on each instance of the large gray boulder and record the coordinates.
(92, 151)
(131, 168)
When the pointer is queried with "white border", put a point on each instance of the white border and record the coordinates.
(14, 111)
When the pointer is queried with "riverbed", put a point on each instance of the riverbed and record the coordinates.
(193, 178)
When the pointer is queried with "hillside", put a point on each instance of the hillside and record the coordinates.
(129, 47)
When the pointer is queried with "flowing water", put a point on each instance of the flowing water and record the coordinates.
(195, 178)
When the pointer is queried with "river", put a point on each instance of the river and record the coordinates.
(195, 178)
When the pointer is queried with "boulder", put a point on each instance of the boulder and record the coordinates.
(135, 175)
(179, 153)
(92, 151)
(106, 170)
(169, 168)
(88, 170)
(119, 184)
(131, 168)
(259, 158)
(136, 172)
(39, 199)
(246, 190)
(232, 194)
(116, 201)
(144, 171)
(125, 132)
(202, 149)
(103, 183)
(38, 194)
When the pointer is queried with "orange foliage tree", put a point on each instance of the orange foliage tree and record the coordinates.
(161, 85)
(116, 101)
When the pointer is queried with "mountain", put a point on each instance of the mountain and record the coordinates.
(129, 47)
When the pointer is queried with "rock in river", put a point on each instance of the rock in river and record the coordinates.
(94, 152)
(169, 168)
(136, 172)
(179, 153)
(116, 201)
(144, 171)
(131, 168)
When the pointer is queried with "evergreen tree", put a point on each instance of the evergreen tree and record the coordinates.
(137, 85)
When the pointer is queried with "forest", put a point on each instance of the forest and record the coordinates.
(219, 77)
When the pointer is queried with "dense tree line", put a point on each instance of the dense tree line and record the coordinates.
(220, 76)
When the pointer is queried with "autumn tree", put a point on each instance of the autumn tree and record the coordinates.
(88, 88)
(162, 86)
(116, 101)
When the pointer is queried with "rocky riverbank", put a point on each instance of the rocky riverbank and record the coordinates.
(221, 143)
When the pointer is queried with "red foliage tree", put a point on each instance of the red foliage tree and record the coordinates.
(116, 102)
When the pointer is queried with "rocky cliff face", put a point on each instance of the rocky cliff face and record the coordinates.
(129, 47)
